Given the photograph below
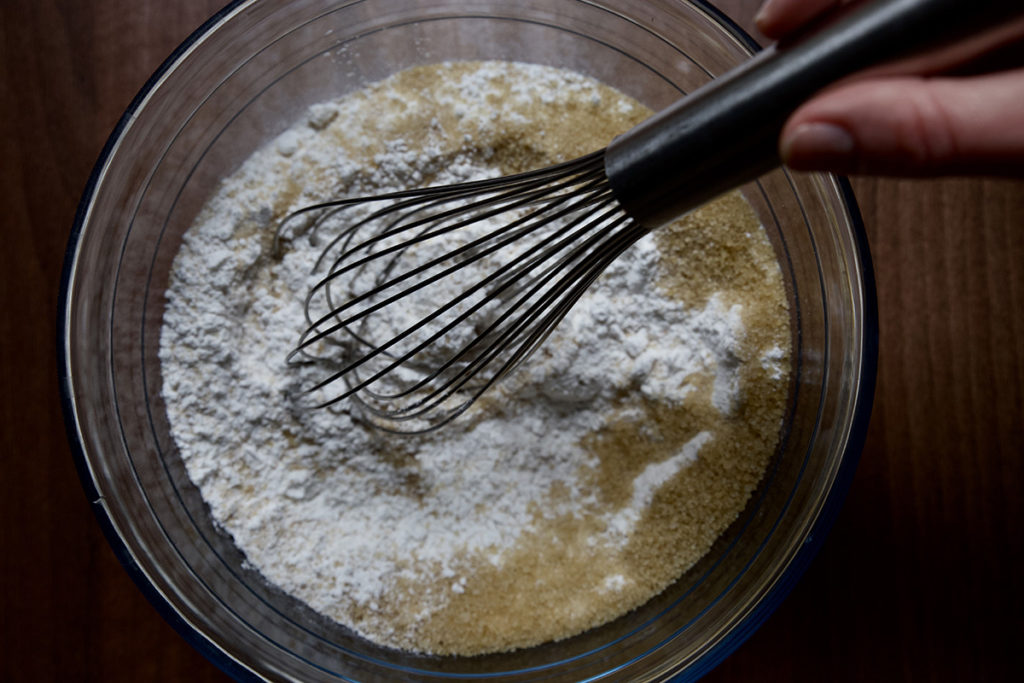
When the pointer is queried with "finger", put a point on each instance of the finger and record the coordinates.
(778, 18)
(912, 126)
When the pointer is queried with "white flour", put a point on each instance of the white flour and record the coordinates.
(340, 516)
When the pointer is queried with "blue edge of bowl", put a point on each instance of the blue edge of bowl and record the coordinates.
(825, 520)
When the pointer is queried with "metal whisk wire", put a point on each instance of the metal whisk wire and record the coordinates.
(566, 228)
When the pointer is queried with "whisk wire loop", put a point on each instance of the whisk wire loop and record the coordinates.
(499, 342)
(519, 195)
(428, 301)
(512, 232)
(523, 262)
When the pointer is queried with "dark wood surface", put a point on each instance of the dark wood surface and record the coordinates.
(920, 579)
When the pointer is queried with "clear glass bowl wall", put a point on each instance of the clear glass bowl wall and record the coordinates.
(242, 79)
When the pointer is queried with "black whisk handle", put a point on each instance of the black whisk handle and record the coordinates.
(726, 133)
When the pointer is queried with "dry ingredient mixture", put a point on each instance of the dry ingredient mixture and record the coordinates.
(584, 487)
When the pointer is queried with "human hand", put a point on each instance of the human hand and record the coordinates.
(906, 125)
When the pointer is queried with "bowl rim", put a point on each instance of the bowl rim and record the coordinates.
(792, 573)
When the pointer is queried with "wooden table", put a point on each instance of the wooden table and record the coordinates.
(920, 579)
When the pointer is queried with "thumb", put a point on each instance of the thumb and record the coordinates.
(912, 127)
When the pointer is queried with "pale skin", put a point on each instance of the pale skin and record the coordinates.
(903, 124)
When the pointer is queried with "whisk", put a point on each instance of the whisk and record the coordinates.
(520, 250)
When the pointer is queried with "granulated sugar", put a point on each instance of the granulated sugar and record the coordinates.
(579, 489)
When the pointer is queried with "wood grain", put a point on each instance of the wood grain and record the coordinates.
(918, 581)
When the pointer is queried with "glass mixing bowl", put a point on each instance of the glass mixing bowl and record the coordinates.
(242, 79)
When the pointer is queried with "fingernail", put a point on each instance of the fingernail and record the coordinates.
(812, 144)
(763, 12)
